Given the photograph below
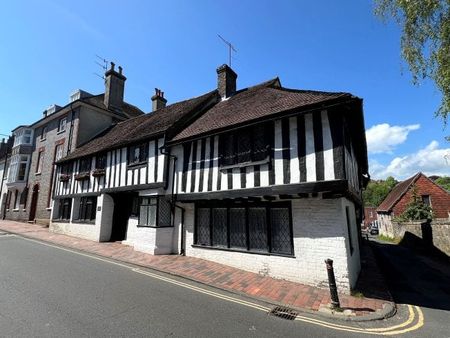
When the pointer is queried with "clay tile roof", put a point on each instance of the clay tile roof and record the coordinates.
(139, 128)
(128, 110)
(396, 193)
(255, 103)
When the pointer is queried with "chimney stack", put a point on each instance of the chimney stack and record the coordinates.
(226, 81)
(158, 100)
(114, 88)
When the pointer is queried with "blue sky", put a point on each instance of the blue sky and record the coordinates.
(48, 48)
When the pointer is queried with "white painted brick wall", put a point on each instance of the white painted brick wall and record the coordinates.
(156, 241)
(319, 233)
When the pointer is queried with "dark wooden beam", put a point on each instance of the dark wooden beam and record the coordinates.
(269, 198)
(286, 197)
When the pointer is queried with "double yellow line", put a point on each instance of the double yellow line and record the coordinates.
(415, 318)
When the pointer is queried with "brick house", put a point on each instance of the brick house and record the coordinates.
(60, 130)
(267, 179)
(396, 202)
(5, 157)
(370, 215)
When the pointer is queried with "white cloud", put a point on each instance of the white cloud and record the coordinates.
(383, 138)
(430, 160)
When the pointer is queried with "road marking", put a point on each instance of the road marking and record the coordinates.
(373, 331)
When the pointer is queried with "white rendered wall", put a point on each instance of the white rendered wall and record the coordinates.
(320, 232)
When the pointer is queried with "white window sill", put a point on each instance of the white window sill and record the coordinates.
(15, 210)
(61, 131)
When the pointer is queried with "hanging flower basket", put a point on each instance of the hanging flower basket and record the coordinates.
(82, 176)
(98, 172)
(64, 177)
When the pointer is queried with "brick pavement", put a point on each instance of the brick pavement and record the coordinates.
(217, 275)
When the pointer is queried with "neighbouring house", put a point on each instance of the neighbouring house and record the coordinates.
(60, 130)
(266, 179)
(5, 157)
(398, 199)
(370, 216)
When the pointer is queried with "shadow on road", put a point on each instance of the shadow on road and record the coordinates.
(414, 277)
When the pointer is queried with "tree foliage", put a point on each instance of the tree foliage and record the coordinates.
(425, 41)
(376, 191)
(444, 182)
(416, 210)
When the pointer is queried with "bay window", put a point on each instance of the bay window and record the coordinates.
(154, 212)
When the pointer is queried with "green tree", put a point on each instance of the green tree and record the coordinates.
(444, 182)
(425, 41)
(416, 210)
(376, 191)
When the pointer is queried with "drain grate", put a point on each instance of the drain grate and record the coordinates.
(284, 313)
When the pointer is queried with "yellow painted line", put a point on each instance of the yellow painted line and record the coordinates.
(373, 331)
(417, 326)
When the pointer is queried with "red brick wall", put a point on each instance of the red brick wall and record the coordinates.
(367, 218)
(440, 200)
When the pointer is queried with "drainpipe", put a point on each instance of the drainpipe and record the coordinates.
(69, 143)
(174, 200)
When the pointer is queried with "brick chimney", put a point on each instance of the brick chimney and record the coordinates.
(114, 88)
(226, 81)
(158, 100)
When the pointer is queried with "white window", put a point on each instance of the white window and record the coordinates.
(62, 124)
(39, 162)
(27, 136)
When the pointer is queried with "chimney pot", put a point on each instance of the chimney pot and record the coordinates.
(158, 100)
(114, 88)
(226, 81)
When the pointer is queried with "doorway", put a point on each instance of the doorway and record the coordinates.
(123, 208)
(34, 199)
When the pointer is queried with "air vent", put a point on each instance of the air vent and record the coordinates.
(284, 313)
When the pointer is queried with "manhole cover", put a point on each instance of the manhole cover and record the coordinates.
(284, 313)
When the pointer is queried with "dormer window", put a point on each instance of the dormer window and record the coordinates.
(137, 154)
(245, 146)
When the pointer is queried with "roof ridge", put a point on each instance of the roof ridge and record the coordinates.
(312, 91)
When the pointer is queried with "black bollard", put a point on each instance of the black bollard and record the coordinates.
(332, 282)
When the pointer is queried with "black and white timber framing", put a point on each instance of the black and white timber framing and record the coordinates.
(305, 148)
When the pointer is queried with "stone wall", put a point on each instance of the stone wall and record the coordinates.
(435, 234)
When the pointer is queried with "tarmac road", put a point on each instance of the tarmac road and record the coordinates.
(46, 291)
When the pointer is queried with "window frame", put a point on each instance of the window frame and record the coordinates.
(60, 130)
(85, 165)
(228, 205)
(39, 162)
(232, 139)
(158, 219)
(423, 197)
(143, 154)
(44, 131)
(61, 203)
(103, 161)
(82, 210)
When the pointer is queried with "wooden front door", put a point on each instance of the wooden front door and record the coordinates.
(34, 199)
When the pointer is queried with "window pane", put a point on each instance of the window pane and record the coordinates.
(22, 170)
(164, 212)
(228, 149)
(280, 230)
(203, 230)
(260, 143)
(244, 146)
(219, 225)
(143, 213)
(152, 215)
(238, 235)
(257, 224)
